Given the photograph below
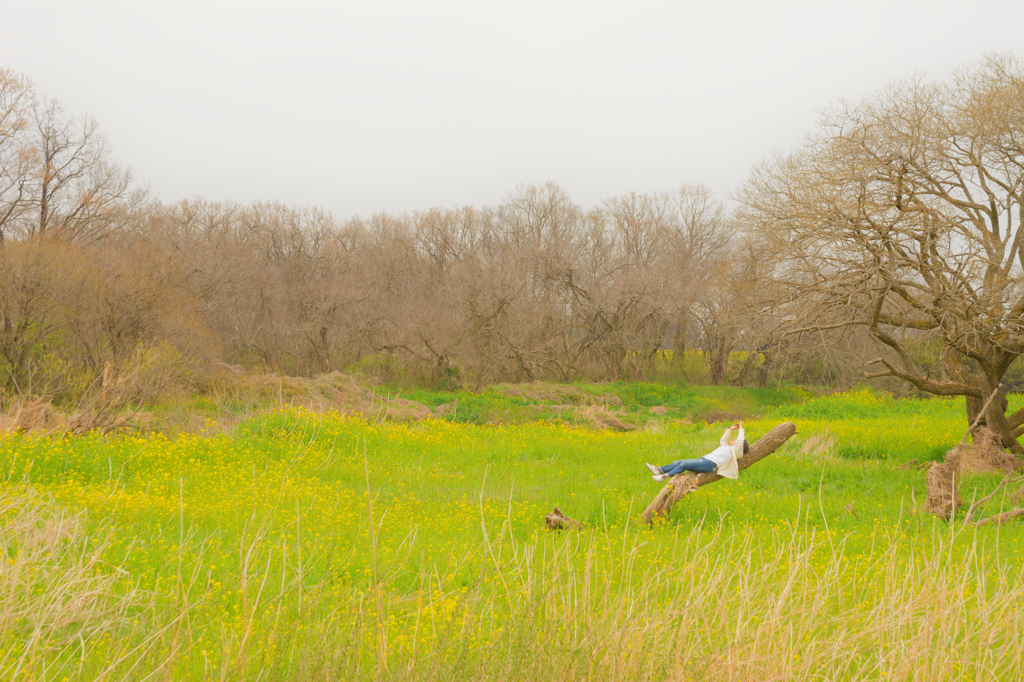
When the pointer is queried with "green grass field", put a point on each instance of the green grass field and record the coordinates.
(305, 545)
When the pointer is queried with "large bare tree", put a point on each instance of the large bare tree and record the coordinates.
(16, 155)
(902, 215)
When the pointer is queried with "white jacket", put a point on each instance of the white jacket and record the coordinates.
(725, 456)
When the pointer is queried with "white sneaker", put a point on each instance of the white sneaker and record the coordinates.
(653, 469)
(661, 477)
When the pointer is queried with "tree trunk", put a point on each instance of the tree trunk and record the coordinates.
(679, 348)
(995, 416)
(718, 361)
(765, 369)
(687, 482)
(748, 362)
(974, 407)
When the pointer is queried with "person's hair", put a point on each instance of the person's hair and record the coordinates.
(746, 446)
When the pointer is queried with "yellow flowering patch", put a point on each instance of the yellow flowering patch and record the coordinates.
(320, 545)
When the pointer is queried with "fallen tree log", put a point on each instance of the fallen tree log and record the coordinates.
(556, 520)
(687, 482)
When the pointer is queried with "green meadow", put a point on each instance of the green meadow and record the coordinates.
(307, 544)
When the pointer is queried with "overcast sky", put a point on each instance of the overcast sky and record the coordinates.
(360, 107)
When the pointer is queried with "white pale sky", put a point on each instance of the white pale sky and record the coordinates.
(360, 107)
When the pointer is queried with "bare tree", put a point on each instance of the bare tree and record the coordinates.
(77, 192)
(903, 216)
(17, 100)
(56, 177)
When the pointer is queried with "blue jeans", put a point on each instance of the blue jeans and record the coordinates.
(701, 466)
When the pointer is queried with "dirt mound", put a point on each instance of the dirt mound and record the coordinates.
(447, 409)
(715, 416)
(402, 410)
(603, 418)
(544, 392)
(331, 391)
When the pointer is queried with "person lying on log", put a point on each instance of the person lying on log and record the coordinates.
(721, 460)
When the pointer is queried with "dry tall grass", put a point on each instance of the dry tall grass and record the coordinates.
(927, 602)
(55, 591)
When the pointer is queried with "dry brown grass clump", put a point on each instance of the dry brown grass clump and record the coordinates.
(55, 591)
(819, 447)
(40, 416)
(985, 454)
(105, 403)
(943, 484)
(34, 415)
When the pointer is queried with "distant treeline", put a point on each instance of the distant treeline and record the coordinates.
(93, 269)
(535, 288)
